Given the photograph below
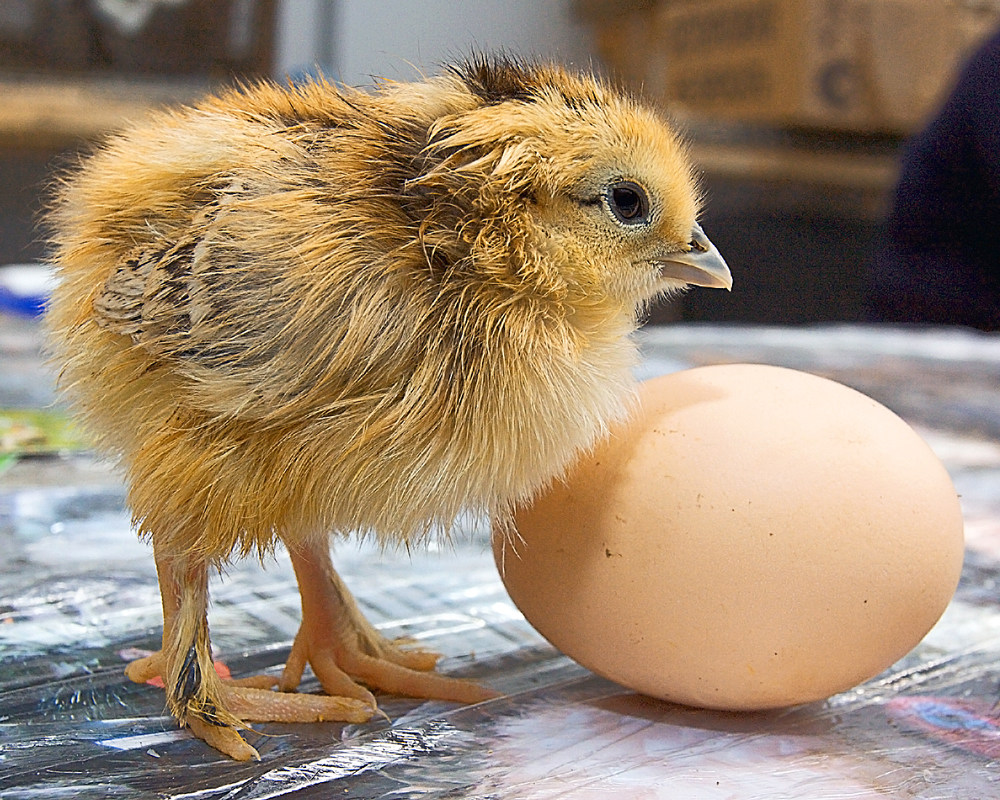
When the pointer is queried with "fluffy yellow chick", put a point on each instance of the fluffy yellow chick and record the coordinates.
(300, 311)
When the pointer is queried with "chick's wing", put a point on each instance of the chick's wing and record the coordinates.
(190, 305)
(273, 297)
(213, 308)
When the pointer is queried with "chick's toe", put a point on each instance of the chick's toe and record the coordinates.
(224, 739)
(264, 705)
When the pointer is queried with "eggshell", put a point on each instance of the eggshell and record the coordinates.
(755, 537)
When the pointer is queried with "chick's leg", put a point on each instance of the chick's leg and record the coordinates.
(342, 646)
(215, 710)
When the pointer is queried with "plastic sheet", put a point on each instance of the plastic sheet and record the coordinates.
(78, 598)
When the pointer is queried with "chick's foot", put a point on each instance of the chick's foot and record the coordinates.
(252, 698)
(252, 704)
(343, 648)
(212, 705)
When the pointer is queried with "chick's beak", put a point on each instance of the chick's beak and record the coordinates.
(701, 265)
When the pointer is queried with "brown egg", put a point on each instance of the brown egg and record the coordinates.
(756, 537)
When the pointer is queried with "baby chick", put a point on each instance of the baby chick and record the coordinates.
(300, 311)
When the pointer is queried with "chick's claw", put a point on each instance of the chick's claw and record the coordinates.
(343, 647)
(224, 739)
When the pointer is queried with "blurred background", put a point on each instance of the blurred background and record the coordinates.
(798, 111)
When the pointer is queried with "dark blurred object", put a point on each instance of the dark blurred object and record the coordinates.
(797, 215)
(941, 263)
(212, 38)
(23, 173)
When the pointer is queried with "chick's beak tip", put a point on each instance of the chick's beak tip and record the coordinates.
(701, 265)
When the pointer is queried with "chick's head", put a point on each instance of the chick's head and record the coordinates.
(573, 188)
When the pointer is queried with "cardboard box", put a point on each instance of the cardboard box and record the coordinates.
(856, 65)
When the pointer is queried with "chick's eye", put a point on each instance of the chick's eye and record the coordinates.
(628, 202)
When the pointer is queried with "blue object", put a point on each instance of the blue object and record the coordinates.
(24, 289)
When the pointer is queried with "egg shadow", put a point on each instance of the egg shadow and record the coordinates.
(802, 720)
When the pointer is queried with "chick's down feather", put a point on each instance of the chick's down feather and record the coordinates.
(300, 311)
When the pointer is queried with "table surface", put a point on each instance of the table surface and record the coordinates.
(78, 598)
